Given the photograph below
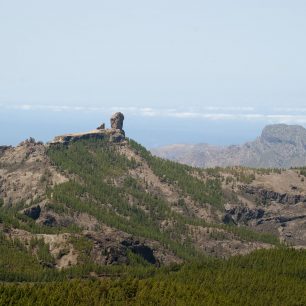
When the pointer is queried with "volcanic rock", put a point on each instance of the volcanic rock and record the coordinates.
(117, 121)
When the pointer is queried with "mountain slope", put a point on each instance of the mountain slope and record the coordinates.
(279, 146)
(87, 205)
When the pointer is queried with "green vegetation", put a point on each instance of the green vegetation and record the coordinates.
(103, 189)
(265, 277)
(41, 250)
(16, 263)
(302, 171)
(186, 177)
(98, 166)
(31, 262)
(11, 217)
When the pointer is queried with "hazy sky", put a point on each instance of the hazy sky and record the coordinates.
(207, 71)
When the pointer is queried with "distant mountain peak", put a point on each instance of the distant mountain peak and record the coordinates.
(278, 133)
(278, 146)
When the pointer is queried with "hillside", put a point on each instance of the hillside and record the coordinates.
(279, 146)
(99, 205)
(114, 196)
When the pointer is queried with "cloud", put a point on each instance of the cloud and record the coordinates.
(290, 109)
(277, 115)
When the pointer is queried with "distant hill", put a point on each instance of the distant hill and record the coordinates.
(279, 146)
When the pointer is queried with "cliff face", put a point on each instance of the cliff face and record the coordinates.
(279, 146)
(111, 135)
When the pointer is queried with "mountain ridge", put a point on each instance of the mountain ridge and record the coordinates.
(89, 204)
(278, 146)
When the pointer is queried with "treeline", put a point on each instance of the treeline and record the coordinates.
(266, 277)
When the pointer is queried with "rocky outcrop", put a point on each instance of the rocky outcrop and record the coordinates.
(263, 195)
(281, 219)
(140, 249)
(113, 248)
(241, 214)
(33, 212)
(115, 134)
(101, 127)
(117, 121)
(49, 220)
(111, 135)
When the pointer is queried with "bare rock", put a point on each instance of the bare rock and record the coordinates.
(140, 249)
(33, 212)
(117, 121)
(101, 127)
(264, 195)
(49, 220)
(240, 214)
(110, 134)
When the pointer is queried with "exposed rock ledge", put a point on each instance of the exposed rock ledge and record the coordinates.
(110, 134)
(268, 195)
(115, 134)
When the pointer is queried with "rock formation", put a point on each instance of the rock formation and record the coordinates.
(117, 121)
(115, 134)
(101, 127)
(33, 212)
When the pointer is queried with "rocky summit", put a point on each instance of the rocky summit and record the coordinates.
(279, 146)
(114, 134)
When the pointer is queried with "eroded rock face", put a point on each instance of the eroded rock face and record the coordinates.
(264, 195)
(115, 134)
(33, 212)
(111, 134)
(117, 121)
(112, 248)
(240, 214)
(140, 249)
(101, 127)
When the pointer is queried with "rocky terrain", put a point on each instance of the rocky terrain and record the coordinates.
(93, 197)
(279, 146)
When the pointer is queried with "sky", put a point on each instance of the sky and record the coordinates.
(191, 71)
